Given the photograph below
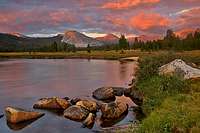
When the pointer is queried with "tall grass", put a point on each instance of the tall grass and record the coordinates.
(170, 103)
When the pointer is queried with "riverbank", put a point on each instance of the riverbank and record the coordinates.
(110, 55)
(171, 104)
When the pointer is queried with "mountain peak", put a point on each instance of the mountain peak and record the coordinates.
(79, 39)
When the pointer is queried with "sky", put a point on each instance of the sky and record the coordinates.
(98, 17)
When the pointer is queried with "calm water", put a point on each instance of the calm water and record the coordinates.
(22, 82)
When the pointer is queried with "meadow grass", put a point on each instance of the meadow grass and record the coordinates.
(171, 104)
(94, 54)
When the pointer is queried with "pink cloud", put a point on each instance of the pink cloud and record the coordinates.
(146, 21)
(142, 22)
(18, 21)
(125, 4)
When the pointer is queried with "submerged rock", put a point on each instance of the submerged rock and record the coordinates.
(104, 93)
(180, 68)
(76, 113)
(16, 115)
(90, 105)
(89, 121)
(113, 110)
(52, 103)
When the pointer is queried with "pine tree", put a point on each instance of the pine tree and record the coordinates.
(123, 43)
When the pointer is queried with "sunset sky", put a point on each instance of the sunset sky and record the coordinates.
(97, 17)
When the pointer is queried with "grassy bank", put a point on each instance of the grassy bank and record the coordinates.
(170, 103)
(78, 54)
(92, 55)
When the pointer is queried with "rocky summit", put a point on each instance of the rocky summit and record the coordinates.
(79, 39)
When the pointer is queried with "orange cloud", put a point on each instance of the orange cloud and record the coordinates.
(125, 4)
(144, 21)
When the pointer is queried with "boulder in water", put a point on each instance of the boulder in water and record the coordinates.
(89, 121)
(180, 68)
(16, 115)
(52, 103)
(90, 105)
(104, 93)
(76, 113)
(113, 110)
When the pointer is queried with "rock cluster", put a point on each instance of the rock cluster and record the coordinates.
(81, 110)
(109, 93)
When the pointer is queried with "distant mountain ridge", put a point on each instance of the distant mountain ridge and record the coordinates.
(17, 40)
(184, 32)
(143, 38)
(108, 39)
(13, 42)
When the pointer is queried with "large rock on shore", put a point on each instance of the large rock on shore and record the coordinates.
(76, 113)
(89, 121)
(16, 115)
(52, 103)
(89, 105)
(113, 110)
(180, 68)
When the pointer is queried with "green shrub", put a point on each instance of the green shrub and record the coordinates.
(171, 104)
(157, 88)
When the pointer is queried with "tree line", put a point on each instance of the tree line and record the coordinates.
(170, 42)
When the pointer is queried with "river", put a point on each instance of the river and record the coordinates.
(24, 81)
